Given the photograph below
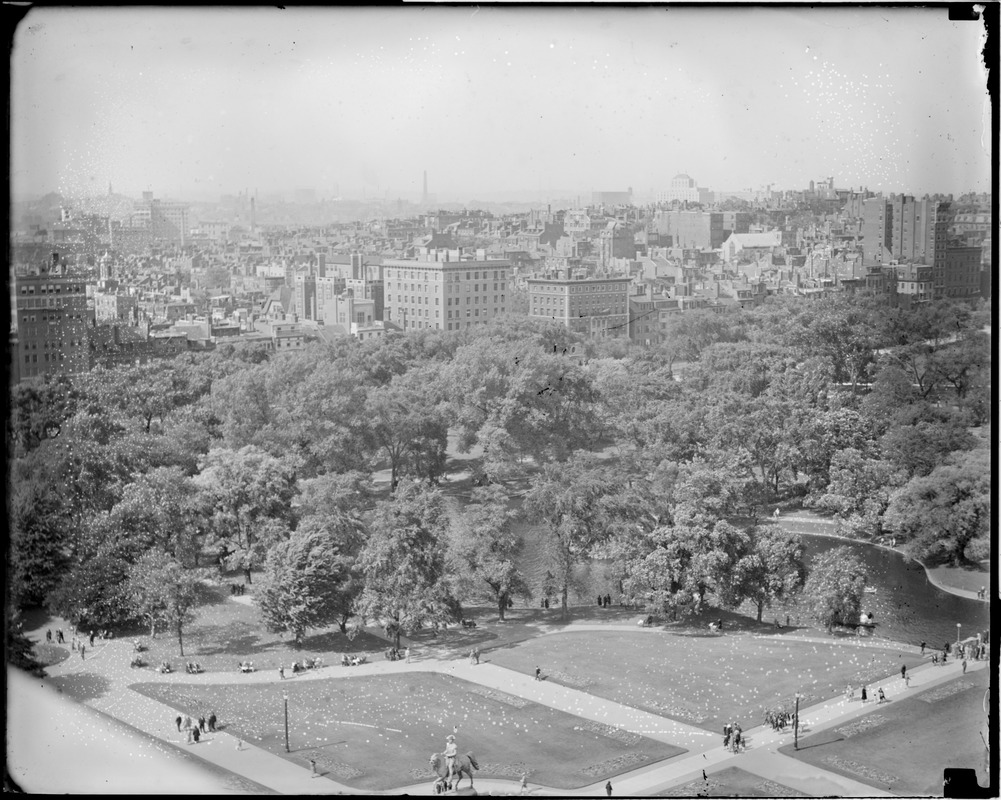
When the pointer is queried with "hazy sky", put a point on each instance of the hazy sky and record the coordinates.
(495, 99)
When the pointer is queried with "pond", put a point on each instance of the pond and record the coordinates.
(906, 606)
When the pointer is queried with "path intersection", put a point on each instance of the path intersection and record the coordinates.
(104, 680)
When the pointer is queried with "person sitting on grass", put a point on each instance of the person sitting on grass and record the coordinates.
(345, 660)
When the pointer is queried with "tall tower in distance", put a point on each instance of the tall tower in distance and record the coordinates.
(424, 197)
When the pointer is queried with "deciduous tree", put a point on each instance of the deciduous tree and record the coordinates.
(307, 581)
(487, 549)
(407, 583)
(835, 587)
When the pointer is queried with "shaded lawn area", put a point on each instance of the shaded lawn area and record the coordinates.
(226, 632)
(904, 745)
(378, 732)
(731, 782)
(702, 679)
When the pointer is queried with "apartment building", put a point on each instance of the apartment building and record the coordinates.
(51, 322)
(445, 291)
(591, 306)
(917, 231)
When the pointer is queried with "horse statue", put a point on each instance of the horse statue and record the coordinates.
(464, 765)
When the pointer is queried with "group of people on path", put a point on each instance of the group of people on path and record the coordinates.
(195, 729)
(733, 737)
(880, 693)
(604, 602)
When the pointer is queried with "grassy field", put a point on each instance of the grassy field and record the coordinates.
(378, 732)
(702, 679)
(905, 746)
(731, 782)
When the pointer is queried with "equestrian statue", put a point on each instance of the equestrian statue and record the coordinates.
(450, 764)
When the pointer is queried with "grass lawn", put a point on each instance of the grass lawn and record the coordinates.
(905, 745)
(971, 577)
(731, 782)
(701, 679)
(378, 732)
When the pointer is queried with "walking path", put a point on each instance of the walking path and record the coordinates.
(107, 675)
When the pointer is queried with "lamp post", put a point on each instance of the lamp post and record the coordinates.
(285, 697)
(959, 635)
(795, 725)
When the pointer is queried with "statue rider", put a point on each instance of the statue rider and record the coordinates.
(451, 750)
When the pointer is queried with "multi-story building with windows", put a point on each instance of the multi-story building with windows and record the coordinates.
(51, 322)
(590, 306)
(445, 291)
(914, 284)
(917, 231)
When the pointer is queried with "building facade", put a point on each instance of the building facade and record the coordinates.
(445, 292)
(589, 306)
(51, 322)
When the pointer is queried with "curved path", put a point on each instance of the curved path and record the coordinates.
(106, 676)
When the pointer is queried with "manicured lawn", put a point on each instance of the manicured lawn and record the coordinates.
(905, 745)
(701, 679)
(731, 782)
(971, 577)
(378, 732)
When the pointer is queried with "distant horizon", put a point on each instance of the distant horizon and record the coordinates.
(287, 195)
(368, 99)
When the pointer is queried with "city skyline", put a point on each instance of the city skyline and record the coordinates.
(489, 101)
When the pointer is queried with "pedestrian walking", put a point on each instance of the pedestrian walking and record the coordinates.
(407, 652)
(73, 643)
(903, 671)
(608, 600)
(865, 695)
(81, 650)
(538, 673)
(472, 657)
(212, 721)
(48, 636)
(239, 744)
(882, 696)
(601, 601)
(189, 734)
(281, 671)
(524, 783)
(59, 636)
(312, 766)
(476, 655)
(608, 789)
(907, 681)
(196, 734)
(92, 639)
(964, 666)
(923, 645)
(201, 724)
(178, 721)
(187, 722)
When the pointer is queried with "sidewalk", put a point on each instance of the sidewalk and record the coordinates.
(110, 661)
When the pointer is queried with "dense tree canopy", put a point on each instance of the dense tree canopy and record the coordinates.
(659, 459)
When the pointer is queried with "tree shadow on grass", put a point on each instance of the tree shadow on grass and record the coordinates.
(237, 646)
(82, 687)
(209, 594)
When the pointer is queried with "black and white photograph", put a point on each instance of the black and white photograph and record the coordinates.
(554, 400)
